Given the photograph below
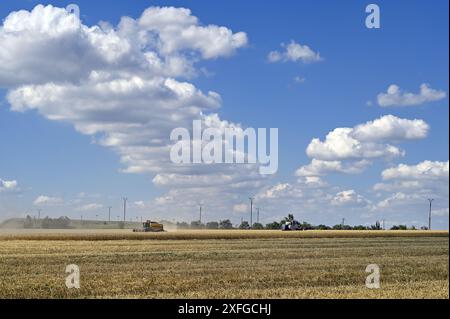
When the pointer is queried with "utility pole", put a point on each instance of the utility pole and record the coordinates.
(429, 214)
(257, 215)
(124, 208)
(39, 214)
(343, 222)
(251, 210)
(383, 225)
(109, 213)
(200, 206)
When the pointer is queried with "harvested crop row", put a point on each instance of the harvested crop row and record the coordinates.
(214, 234)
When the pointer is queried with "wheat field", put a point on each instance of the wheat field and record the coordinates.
(224, 264)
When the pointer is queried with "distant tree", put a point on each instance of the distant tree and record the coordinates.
(196, 224)
(306, 226)
(258, 226)
(359, 227)
(273, 225)
(225, 224)
(212, 225)
(399, 227)
(338, 227)
(121, 225)
(323, 227)
(244, 225)
(377, 226)
(424, 228)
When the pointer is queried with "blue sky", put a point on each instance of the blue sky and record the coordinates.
(50, 158)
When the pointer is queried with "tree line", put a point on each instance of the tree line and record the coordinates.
(275, 225)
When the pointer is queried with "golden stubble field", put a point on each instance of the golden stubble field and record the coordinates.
(224, 264)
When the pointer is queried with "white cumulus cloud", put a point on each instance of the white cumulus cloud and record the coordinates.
(426, 170)
(397, 97)
(8, 186)
(349, 197)
(351, 150)
(127, 86)
(294, 52)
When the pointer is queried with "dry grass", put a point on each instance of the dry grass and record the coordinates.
(290, 267)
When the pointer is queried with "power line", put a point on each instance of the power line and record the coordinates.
(251, 210)
(429, 214)
(124, 208)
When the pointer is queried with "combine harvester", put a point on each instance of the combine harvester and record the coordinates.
(150, 226)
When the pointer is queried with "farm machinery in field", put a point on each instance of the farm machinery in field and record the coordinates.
(290, 224)
(149, 226)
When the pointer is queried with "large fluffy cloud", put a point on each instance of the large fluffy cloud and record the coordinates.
(128, 86)
(367, 140)
(49, 44)
(178, 30)
(350, 150)
(397, 97)
(407, 188)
